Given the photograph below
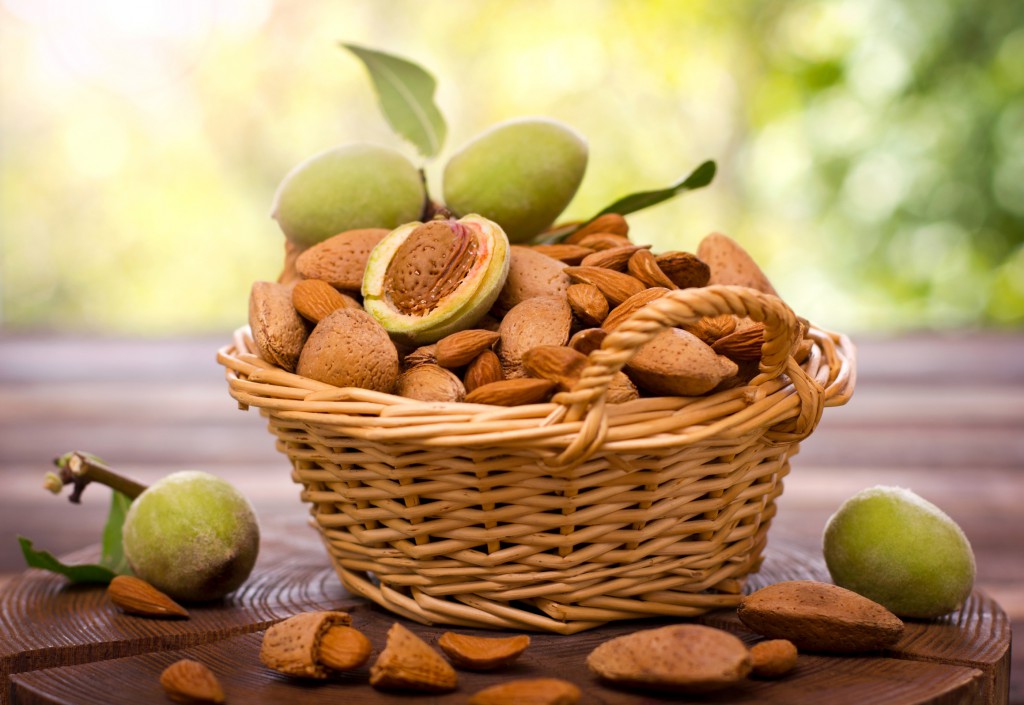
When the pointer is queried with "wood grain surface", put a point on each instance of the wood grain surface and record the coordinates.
(942, 414)
(962, 659)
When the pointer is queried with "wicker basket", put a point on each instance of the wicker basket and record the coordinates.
(559, 516)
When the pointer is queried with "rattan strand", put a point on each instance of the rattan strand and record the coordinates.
(558, 516)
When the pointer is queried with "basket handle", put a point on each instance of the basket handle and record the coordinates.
(586, 400)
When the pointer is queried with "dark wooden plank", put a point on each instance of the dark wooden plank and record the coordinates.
(77, 626)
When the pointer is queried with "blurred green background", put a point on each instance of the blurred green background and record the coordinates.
(871, 152)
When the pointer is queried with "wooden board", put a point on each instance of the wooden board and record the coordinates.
(69, 645)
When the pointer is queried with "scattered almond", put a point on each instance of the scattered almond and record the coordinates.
(616, 286)
(682, 658)
(408, 663)
(533, 691)
(818, 616)
(343, 648)
(463, 347)
(136, 596)
(486, 368)
(188, 681)
(588, 303)
(478, 653)
(315, 299)
(292, 646)
(644, 267)
(512, 392)
(773, 658)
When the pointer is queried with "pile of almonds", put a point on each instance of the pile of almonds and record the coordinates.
(556, 305)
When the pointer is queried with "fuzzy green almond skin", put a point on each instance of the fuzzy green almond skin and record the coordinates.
(521, 174)
(345, 188)
(457, 312)
(192, 535)
(896, 548)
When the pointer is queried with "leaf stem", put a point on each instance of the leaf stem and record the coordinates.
(78, 469)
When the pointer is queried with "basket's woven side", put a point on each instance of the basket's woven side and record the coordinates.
(489, 536)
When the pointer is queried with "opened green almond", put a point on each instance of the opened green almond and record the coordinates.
(424, 281)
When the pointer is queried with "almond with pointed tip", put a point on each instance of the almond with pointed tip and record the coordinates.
(315, 299)
(136, 596)
(340, 260)
(486, 368)
(570, 254)
(277, 328)
(603, 241)
(588, 303)
(512, 392)
(188, 681)
(607, 223)
(478, 653)
(557, 363)
(742, 344)
(644, 267)
(820, 617)
(408, 663)
(344, 648)
(685, 269)
(627, 308)
(616, 286)
(528, 691)
(543, 320)
(731, 264)
(615, 258)
(461, 348)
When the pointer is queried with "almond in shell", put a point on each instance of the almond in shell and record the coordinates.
(531, 274)
(682, 658)
(542, 320)
(277, 328)
(350, 348)
(408, 663)
(292, 646)
(428, 382)
(340, 260)
(676, 363)
(820, 617)
(731, 264)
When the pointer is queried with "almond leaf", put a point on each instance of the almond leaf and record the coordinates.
(406, 94)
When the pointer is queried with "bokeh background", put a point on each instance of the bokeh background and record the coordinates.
(871, 152)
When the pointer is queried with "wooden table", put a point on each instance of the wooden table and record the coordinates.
(942, 415)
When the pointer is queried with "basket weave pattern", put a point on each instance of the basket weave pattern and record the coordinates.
(559, 516)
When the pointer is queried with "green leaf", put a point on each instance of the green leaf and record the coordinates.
(698, 178)
(112, 558)
(112, 553)
(85, 573)
(406, 94)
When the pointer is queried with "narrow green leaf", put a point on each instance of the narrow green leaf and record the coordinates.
(112, 553)
(406, 94)
(698, 178)
(86, 573)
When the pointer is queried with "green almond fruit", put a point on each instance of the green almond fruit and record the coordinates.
(347, 188)
(896, 548)
(521, 174)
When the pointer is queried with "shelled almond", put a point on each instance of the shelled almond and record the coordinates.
(555, 305)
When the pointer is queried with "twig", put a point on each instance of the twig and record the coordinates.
(79, 469)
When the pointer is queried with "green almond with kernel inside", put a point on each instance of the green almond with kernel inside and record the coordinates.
(521, 174)
(348, 187)
(424, 281)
